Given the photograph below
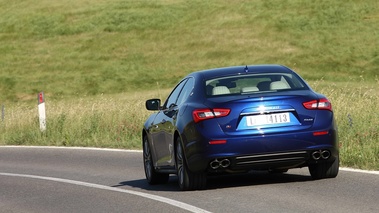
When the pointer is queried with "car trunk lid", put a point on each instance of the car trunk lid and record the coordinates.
(252, 115)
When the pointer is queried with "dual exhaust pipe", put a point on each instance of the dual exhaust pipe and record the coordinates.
(321, 154)
(224, 163)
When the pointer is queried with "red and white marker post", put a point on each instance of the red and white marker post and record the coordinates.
(42, 112)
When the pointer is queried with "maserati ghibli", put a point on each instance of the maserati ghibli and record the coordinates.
(238, 119)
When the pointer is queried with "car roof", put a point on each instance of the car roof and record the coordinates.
(226, 71)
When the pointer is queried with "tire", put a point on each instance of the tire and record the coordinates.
(187, 180)
(152, 176)
(325, 170)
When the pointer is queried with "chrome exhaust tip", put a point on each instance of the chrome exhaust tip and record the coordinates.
(222, 163)
(321, 154)
(316, 155)
(215, 164)
(325, 154)
(225, 163)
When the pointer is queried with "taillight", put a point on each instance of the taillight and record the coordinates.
(205, 114)
(215, 142)
(320, 133)
(318, 104)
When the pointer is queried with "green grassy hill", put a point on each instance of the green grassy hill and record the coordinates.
(80, 47)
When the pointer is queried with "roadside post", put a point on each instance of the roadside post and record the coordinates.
(2, 113)
(42, 112)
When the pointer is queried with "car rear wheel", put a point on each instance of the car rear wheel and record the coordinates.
(152, 176)
(187, 180)
(324, 170)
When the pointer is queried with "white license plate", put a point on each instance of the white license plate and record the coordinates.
(277, 118)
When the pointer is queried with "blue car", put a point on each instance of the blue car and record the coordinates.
(237, 119)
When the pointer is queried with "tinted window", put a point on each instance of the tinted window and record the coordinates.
(186, 91)
(253, 83)
(171, 100)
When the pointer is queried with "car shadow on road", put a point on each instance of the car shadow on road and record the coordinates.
(224, 181)
(255, 178)
(171, 185)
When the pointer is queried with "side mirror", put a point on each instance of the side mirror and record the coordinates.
(153, 104)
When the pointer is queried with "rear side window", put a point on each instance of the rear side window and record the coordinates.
(186, 91)
(253, 83)
(172, 99)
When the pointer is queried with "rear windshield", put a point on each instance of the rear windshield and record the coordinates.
(253, 83)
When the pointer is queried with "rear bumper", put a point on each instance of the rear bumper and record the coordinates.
(283, 160)
(279, 151)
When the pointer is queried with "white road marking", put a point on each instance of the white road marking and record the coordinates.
(74, 148)
(360, 171)
(169, 201)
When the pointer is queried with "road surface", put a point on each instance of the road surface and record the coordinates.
(43, 179)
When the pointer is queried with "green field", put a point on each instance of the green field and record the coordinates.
(98, 60)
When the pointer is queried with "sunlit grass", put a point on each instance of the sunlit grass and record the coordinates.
(356, 110)
(102, 121)
(68, 48)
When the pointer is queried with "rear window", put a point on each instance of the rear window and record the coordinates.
(253, 83)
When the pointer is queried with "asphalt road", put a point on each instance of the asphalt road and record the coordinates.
(91, 180)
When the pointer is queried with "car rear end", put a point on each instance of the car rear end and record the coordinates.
(279, 126)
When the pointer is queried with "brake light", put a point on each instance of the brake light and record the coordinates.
(318, 104)
(205, 114)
